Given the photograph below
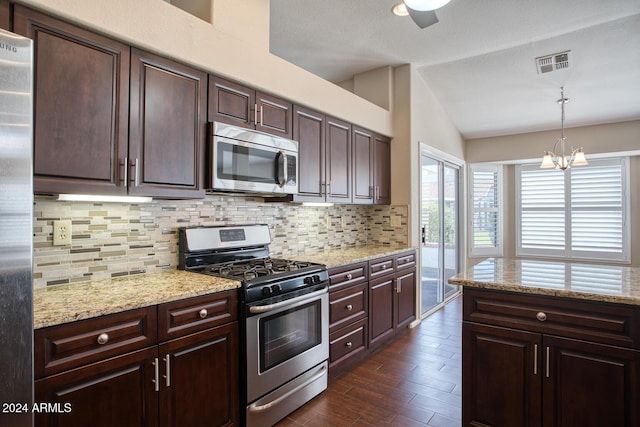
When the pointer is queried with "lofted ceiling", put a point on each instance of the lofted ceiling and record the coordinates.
(479, 60)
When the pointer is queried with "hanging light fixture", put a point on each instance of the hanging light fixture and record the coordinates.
(560, 160)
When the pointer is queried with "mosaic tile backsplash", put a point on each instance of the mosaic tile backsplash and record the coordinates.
(112, 239)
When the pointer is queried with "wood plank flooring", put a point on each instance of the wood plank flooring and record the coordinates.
(413, 381)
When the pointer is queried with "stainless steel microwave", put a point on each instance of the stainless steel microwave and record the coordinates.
(246, 160)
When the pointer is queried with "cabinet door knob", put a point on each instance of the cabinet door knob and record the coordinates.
(103, 338)
(203, 313)
(541, 316)
(349, 307)
(349, 344)
(349, 276)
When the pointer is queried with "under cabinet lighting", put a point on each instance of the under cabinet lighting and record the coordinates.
(317, 204)
(99, 198)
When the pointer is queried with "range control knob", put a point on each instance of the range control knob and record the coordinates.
(266, 291)
(308, 280)
(276, 288)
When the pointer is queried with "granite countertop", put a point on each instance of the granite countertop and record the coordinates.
(343, 256)
(59, 304)
(607, 283)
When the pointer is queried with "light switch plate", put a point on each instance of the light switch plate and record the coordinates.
(61, 232)
(395, 221)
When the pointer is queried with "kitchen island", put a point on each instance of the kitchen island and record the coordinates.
(550, 343)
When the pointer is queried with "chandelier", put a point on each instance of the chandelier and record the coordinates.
(561, 160)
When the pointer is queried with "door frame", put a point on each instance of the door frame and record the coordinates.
(447, 159)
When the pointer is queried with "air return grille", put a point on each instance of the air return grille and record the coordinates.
(556, 61)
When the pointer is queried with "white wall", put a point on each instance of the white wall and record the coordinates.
(418, 117)
(235, 46)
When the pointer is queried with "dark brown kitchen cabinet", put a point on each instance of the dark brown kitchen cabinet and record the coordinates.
(167, 128)
(405, 277)
(381, 170)
(200, 381)
(551, 361)
(109, 119)
(381, 309)
(309, 130)
(81, 106)
(324, 153)
(114, 392)
(348, 308)
(371, 167)
(362, 167)
(392, 296)
(169, 365)
(235, 104)
(338, 161)
(5, 15)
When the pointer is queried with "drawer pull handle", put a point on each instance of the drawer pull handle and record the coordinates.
(203, 313)
(349, 307)
(383, 267)
(349, 344)
(103, 338)
(541, 316)
(349, 276)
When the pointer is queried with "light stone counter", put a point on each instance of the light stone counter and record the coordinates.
(607, 283)
(343, 256)
(67, 303)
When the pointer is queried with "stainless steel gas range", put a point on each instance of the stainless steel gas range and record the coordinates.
(284, 315)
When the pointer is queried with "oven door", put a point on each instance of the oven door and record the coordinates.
(251, 167)
(284, 340)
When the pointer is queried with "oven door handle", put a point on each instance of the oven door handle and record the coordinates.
(289, 393)
(270, 307)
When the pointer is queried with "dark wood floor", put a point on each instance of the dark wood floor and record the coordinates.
(413, 381)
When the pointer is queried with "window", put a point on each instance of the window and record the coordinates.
(578, 214)
(485, 183)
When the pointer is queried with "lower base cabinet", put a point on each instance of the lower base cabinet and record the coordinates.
(191, 377)
(114, 392)
(369, 303)
(202, 388)
(537, 377)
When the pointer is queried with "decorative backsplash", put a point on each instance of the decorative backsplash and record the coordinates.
(113, 239)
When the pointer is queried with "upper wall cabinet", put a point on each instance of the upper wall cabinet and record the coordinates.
(381, 170)
(82, 139)
(324, 155)
(167, 127)
(5, 20)
(81, 105)
(238, 105)
(371, 167)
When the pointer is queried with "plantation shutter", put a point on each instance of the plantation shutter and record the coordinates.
(486, 227)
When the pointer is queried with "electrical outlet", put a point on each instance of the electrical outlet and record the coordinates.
(395, 221)
(343, 222)
(61, 232)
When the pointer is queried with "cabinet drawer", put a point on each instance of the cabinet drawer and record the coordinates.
(606, 323)
(62, 347)
(347, 341)
(347, 305)
(406, 261)
(381, 266)
(183, 317)
(347, 275)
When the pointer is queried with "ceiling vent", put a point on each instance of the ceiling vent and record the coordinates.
(556, 61)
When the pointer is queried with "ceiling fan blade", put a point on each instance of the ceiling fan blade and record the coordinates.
(423, 18)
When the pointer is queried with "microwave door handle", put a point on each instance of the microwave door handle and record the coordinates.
(285, 177)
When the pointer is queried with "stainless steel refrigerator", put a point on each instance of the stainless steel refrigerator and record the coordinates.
(16, 230)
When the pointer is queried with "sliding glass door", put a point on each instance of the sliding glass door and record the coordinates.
(440, 219)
